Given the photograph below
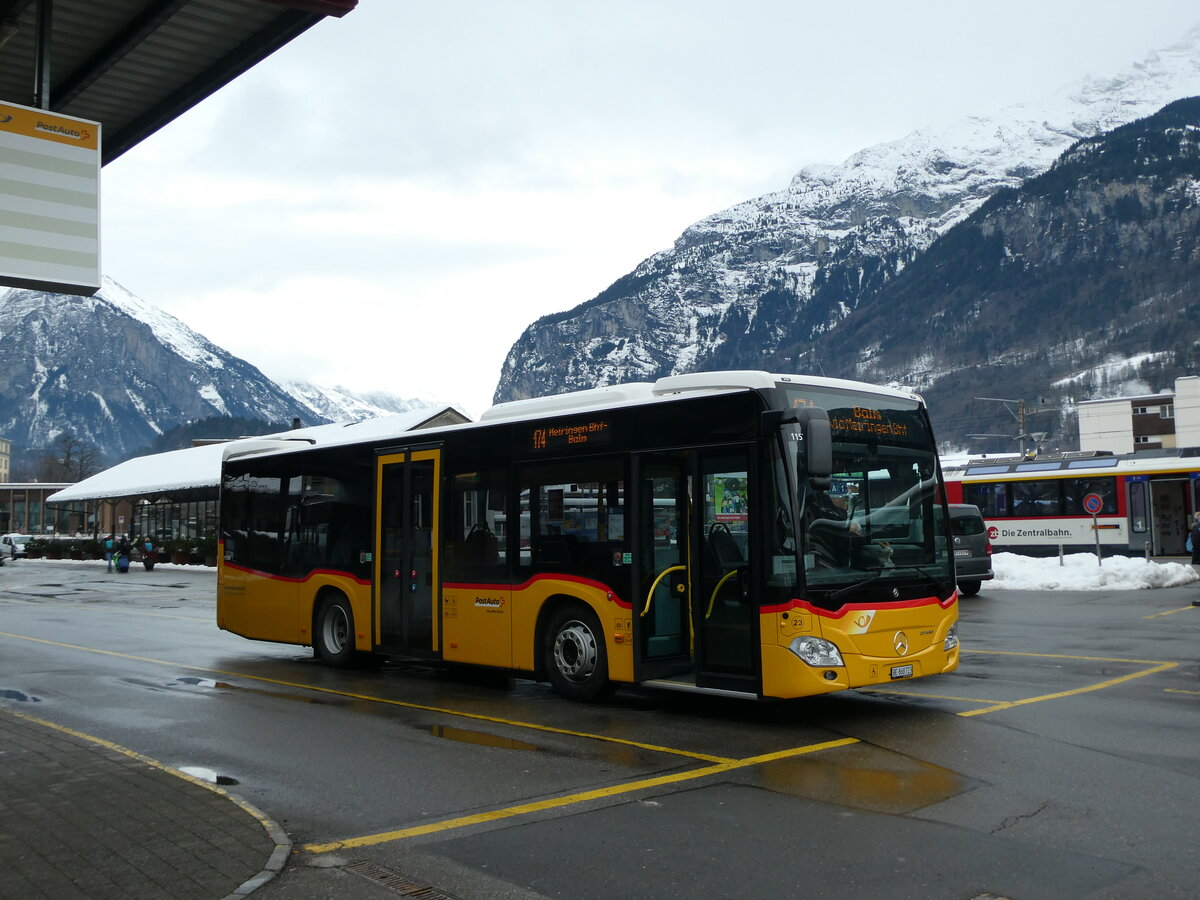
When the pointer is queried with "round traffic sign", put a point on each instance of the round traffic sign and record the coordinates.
(1093, 503)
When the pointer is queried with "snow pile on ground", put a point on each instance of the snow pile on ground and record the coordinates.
(1079, 572)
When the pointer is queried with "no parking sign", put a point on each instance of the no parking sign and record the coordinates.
(1093, 503)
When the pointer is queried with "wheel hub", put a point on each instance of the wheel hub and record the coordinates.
(575, 652)
(337, 630)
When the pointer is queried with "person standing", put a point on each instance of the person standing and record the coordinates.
(122, 555)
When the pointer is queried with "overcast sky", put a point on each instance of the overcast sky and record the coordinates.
(388, 201)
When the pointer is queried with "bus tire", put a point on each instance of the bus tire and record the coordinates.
(576, 658)
(333, 638)
(970, 588)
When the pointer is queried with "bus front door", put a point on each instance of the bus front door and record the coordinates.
(406, 562)
(662, 605)
(695, 617)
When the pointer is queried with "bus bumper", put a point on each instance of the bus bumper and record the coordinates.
(786, 676)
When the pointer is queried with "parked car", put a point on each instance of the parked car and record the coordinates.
(972, 549)
(13, 545)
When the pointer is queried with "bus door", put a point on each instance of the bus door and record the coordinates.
(695, 617)
(406, 561)
(662, 602)
(725, 609)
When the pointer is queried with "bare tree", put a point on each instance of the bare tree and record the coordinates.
(68, 459)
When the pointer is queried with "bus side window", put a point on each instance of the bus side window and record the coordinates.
(252, 521)
(572, 517)
(473, 539)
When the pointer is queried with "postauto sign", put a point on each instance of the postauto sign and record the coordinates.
(49, 201)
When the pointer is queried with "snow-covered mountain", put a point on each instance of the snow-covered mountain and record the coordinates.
(338, 404)
(118, 372)
(760, 284)
(1084, 282)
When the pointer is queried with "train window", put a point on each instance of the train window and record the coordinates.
(1037, 498)
(1075, 489)
(992, 499)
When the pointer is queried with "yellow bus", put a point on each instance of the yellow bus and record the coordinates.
(731, 532)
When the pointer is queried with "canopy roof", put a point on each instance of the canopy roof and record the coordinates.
(194, 473)
(134, 65)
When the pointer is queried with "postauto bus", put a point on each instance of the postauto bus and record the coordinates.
(729, 532)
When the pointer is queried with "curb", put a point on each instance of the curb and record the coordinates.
(283, 844)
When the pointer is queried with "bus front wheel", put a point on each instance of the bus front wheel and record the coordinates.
(334, 635)
(575, 655)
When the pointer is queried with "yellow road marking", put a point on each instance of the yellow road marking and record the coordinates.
(571, 799)
(263, 820)
(1116, 659)
(532, 726)
(1181, 691)
(719, 764)
(1009, 704)
(1169, 612)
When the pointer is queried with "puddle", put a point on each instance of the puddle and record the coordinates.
(866, 777)
(210, 684)
(207, 775)
(480, 738)
(19, 696)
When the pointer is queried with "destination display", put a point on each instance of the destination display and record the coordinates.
(575, 435)
(851, 417)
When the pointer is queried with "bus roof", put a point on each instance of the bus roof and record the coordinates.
(672, 387)
(668, 388)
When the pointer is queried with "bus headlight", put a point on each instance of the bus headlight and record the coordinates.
(951, 638)
(816, 651)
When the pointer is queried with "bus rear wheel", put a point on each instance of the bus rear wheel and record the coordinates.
(333, 638)
(575, 655)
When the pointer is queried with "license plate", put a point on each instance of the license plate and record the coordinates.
(962, 552)
(902, 671)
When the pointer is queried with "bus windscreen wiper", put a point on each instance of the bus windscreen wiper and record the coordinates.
(878, 573)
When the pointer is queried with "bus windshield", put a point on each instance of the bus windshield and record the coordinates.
(881, 516)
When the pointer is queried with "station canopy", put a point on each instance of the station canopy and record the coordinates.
(135, 65)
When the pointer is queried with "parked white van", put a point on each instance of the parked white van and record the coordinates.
(13, 545)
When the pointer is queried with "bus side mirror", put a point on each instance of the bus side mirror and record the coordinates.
(818, 447)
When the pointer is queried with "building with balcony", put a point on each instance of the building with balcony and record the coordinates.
(1165, 421)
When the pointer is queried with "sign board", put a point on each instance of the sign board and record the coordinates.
(49, 201)
(1049, 532)
(1093, 503)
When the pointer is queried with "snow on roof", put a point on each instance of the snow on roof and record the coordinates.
(161, 474)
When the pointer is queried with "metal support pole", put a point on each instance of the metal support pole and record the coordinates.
(41, 60)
